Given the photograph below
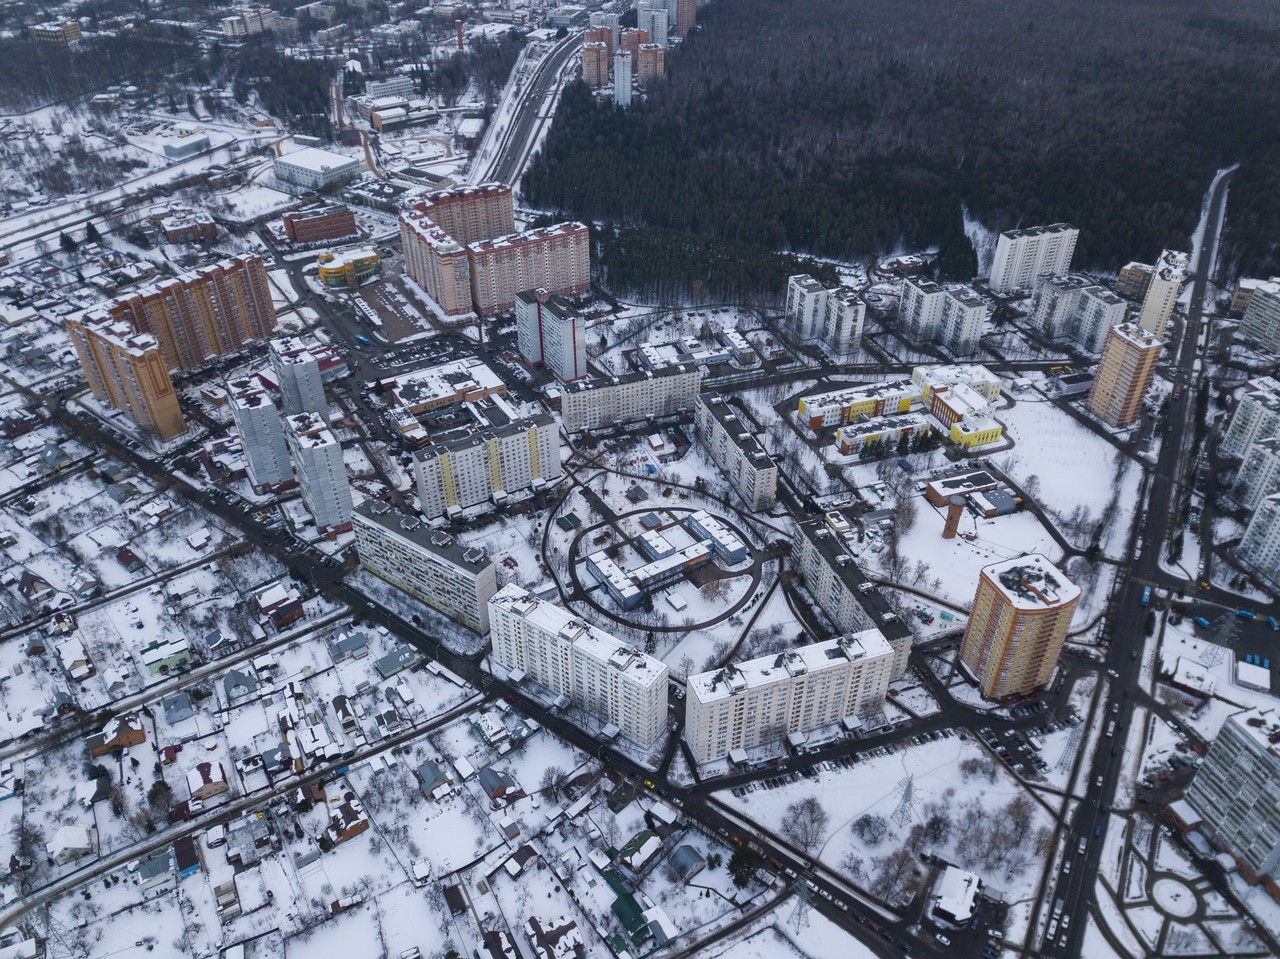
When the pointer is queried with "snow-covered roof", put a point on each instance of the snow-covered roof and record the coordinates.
(956, 893)
(1031, 582)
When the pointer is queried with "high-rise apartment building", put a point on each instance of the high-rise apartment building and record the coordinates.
(1076, 308)
(1133, 279)
(1256, 416)
(297, 371)
(628, 397)
(1259, 473)
(1023, 256)
(257, 420)
(613, 22)
(488, 466)
(829, 319)
(652, 18)
(763, 700)
(1016, 628)
(820, 554)
(1163, 291)
(601, 675)
(322, 477)
(1260, 323)
(686, 17)
(480, 269)
(204, 314)
(126, 370)
(651, 64)
(553, 258)
(595, 64)
(952, 317)
(1237, 791)
(1259, 547)
(552, 333)
(622, 78)
(1124, 372)
(599, 34)
(632, 37)
(732, 446)
(429, 565)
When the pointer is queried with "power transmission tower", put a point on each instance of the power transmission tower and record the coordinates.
(907, 803)
(799, 919)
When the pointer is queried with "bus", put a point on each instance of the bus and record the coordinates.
(1146, 596)
(362, 340)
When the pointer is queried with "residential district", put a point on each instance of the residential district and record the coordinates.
(376, 584)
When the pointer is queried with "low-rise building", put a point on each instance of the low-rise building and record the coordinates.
(764, 700)
(318, 224)
(431, 566)
(315, 169)
(349, 268)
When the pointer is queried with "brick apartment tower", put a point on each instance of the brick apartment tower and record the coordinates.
(651, 63)
(686, 17)
(631, 40)
(126, 370)
(595, 63)
(1124, 372)
(204, 314)
(1019, 620)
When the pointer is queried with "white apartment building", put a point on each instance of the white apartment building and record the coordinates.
(429, 565)
(397, 86)
(317, 458)
(1022, 256)
(1259, 474)
(654, 19)
(840, 588)
(1162, 294)
(622, 75)
(315, 169)
(602, 403)
(1259, 548)
(1261, 320)
(1237, 791)
(612, 681)
(829, 319)
(261, 435)
(1074, 307)
(610, 20)
(551, 332)
(763, 700)
(951, 317)
(297, 371)
(1256, 416)
(737, 451)
(488, 466)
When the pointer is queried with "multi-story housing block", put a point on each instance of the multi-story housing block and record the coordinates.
(297, 372)
(1133, 279)
(763, 700)
(1237, 792)
(1259, 473)
(1259, 547)
(595, 63)
(322, 477)
(551, 333)
(126, 370)
(488, 466)
(1260, 323)
(820, 555)
(950, 316)
(262, 439)
(470, 213)
(598, 673)
(622, 76)
(734, 448)
(429, 565)
(1124, 372)
(1256, 416)
(555, 258)
(1076, 308)
(600, 403)
(651, 63)
(1022, 256)
(829, 319)
(1163, 291)
(436, 262)
(1019, 620)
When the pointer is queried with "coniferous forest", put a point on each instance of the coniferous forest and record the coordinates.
(844, 128)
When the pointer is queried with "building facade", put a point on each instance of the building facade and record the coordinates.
(603, 403)
(127, 370)
(429, 565)
(622, 76)
(470, 213)
(1256, 416)
(651, 64)
(1260, 322)
(1259, 473)
(829, 319)
(819, 554)
(732, 446)
(1237, 791)
(1019, 620)
(555, 258)
(202, 315)
(952, 317)
(1133, 279)
(1163, 292)
(1124, 372)
(686, 17)
(488, 466)
(551, 333)
(763, 700)
(1022, 256)
(1259, 547)
(600, 674)
(595, 64)
(436, 262)
(297, 372)
(257, 420)
(322, 477)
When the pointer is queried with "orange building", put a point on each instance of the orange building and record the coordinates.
(127, 371)
(595, 64)
(686, 17)
(471, 213)
(1124, 372)
(599, 35)
(632, 37)
(651, 63)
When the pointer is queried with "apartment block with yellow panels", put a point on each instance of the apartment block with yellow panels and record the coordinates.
(838, 407)
(1020, 616)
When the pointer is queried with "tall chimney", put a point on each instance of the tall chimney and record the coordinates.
(457, 28)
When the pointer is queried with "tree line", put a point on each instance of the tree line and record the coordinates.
(860, 128)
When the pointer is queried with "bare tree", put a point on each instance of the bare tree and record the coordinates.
(871, 829)
(806, 823)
